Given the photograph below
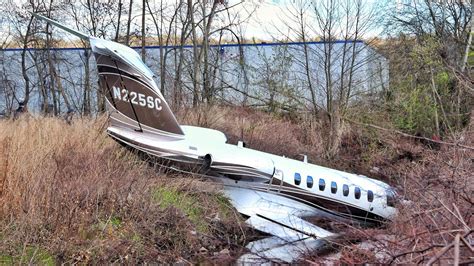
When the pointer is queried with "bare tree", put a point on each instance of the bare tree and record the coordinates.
(54, 75)
(120, 5)
(329, 68)
(6, 85)
(25, 40)
(164, 38)
(97, 19)
(143, 29)
(129, 22)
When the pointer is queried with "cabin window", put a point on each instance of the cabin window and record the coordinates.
(333, 187)
(297, 179)
(345, 190)
(357, 192)
(322, 184)
(370, 196)
(309, 181)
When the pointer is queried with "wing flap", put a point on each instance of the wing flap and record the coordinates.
(286, 226)
(267, 226)
(273, 249)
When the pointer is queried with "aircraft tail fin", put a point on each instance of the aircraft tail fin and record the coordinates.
(131, 93)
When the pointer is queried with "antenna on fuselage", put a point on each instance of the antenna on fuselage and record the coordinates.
(305, 158)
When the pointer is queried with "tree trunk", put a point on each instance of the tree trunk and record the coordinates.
(86, 96)
(159, 30)
(205, 46)
(23, 63)
(162, 51)
(307, 64)
(129, 22)
(52, 69)
(177, 82)
(196, 59)
(143, 30)
(120, 4)
(334, 134)
(41, 84)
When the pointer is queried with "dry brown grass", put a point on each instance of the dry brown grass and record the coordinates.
(72, 193)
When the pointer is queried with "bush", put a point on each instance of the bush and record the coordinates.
(415, 111)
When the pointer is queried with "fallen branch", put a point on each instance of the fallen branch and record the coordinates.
(414, 252)
(454, 244)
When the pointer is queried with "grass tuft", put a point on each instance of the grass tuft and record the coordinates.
(185, 202)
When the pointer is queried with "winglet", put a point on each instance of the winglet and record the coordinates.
(55, 23)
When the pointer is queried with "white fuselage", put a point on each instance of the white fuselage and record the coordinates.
(322, 188)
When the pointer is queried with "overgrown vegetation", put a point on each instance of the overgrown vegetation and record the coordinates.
(435, 186)
(79, 197)
(426, 98)
(69, 194)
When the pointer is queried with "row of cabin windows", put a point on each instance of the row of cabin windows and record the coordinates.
(322, 186)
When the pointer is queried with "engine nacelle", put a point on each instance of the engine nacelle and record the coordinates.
(240, 165)
(202, 134)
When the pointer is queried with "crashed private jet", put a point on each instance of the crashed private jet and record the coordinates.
(275, 193)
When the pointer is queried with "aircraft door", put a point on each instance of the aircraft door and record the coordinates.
(277, 180)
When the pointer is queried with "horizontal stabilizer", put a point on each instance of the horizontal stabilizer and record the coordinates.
(61, 26)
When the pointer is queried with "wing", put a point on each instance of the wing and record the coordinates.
(292, 237)
(274, 249)
(280, 217)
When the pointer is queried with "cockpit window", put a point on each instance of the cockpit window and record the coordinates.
(322, 184)
(297, 179)
(345, 190)
(370, 196)
(309, 181)
(333, 187)
(390, 198)
(357, 192)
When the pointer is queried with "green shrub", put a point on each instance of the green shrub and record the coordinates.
(414, 112)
